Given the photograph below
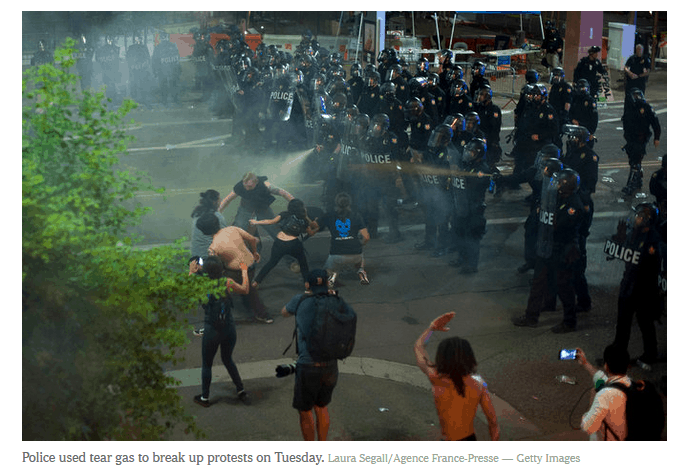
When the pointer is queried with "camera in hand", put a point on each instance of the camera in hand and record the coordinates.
(285, 370)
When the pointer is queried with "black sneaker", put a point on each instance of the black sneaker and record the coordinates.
(200, 401)
(267, 320)
(243, 397)
(524, 321)
(562, 328)
(199, 332)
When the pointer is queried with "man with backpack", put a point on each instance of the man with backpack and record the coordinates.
(325, 332)
(622, 409)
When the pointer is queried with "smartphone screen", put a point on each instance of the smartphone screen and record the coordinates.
(567, 354)
(200, 261)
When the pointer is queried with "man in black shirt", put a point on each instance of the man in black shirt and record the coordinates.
(637, 70)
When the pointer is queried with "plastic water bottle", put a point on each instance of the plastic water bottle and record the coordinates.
(566, 379)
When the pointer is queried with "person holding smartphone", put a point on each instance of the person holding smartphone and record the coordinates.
(457, 389)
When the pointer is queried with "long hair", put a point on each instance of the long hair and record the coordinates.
(208, 203)
(297, 208)
(456, 360)
(342, 203)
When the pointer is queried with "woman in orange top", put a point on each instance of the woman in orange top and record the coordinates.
(457, 389)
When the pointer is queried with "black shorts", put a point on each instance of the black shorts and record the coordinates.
(314, 385)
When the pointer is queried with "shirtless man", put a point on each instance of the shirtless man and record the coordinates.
(231, 245)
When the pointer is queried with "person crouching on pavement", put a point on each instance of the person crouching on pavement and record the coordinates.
(456, 387)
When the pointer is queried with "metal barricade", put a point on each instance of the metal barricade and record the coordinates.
(505, 82)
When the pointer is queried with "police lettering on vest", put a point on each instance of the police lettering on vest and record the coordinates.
(623, 253)
(546, 217)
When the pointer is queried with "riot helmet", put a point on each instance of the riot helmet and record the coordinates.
(539, 93)
(637, 95)
(418, 86)
(352, 113)
(550, 166)
(362, 123)
(558, 75)
(582, 86)
(41, 45)
(579, 134)
(244, 63)
(457, 122)
(369, 68)
(457, 72)
(441, 136)
(251, 75)
(531, 76)
(422, 64)
(446, 56)
(475, 150)
(393, 72)
(373, 79)
(379, 125)
(568, 182)
(479, 68)
(484, 94)
(472, 122)
(413, 109)
(645, 215)
(459, 88)
(388, 90)
(339, 101)
(318, 83)
(355, 70)
(548, 152)
(433, 80)
(335, 58)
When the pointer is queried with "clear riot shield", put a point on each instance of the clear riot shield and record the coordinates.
(229, 80)
(547, 211)
(281, 98)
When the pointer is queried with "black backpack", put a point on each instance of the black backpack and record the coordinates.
(332, 334)
(644, 412)
(293, 226)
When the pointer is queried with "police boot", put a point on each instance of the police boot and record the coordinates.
(634, 180)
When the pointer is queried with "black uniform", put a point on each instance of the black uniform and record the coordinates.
(433, 174)
(469, 183)
(557, 253)
(637, 65)
(639, 292)
(369, 99)
(490, 124)
(167, 71)
(138, 59)
(84, 62)
(560, 95)
(590, 70)
(107, 56)
(586, 162)
(638, 121)
(583, 111)
(42, 57)
(202, 57)
(380, 156)
(356, 84)
(538, 126)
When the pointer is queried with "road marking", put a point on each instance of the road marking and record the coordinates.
(361, 366)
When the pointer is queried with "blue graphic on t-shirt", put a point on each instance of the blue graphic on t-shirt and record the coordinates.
(343, 227)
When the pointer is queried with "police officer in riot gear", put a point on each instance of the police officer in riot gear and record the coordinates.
(472, 125)
(438, 94)
(422, 67)
(557, 251)
(202, 57)
(460, 101)
(281, 96)
(138, 59)
(583, 110)
(42, 56)
(560, 95)
(355, 83)
(445, 68)
(581, 158)
(638, 121)
(470, 179)
(639, 291)
(391, 106)
(250, 102)
(479, 70)
(421, 127)
(539, 127)
(84, 61)
(419, 88)
(369, 99)
(167, 70)
(590, 68)
(433, 173)
(490, 124)
(381, 177)
(395, 75)
(460, 136)
(107, 56)
(531, 79)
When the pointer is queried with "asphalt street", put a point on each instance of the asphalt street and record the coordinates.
(381, 395)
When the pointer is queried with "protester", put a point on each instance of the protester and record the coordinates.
(456, 387)
(220, 330)
(209, 202)
(230, 245)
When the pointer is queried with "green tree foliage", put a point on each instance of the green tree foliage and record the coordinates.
(101, 318)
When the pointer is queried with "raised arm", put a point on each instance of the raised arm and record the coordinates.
(421, 356)
(226, 201)
(274, 190)
(274, 220)
(244, 287)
